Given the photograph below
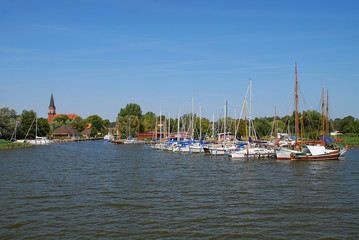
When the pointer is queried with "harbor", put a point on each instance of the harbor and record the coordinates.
(94, 188)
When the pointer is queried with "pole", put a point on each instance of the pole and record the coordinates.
(296, 105)
(327, 118)
(323, 130)
(200, 123)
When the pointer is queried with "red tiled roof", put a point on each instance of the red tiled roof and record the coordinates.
(70, 116)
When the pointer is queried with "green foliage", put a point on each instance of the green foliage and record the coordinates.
(8, 119)
(61, 118)
(27, 120)
(148, 122)
(28, 125)
(129, 126)
(131, 109)
(43, 127)
(97, 124)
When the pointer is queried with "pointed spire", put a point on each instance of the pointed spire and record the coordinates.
(52, 103)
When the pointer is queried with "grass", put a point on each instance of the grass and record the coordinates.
(350, 139)
(7, 144)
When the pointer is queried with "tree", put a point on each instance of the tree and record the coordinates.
(131, 109)
(96, 123)
(27, 121)
(61, 118)
(28, 125)
(8, 119)
(43, 127)
(148, 122)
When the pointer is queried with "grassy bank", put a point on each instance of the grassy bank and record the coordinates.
(350, 139)
(7, 144)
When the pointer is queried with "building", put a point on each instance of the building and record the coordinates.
(65, 132)
(52, 111)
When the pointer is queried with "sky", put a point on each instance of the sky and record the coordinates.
(96, 56)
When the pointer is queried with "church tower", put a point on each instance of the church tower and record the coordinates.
(52, 110)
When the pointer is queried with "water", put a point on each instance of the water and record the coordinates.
(93, 190)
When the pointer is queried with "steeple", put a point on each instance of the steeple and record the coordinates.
(52, 109)
(52, 103)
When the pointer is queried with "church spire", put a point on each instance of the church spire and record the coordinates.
(52, 110)
(52, 103)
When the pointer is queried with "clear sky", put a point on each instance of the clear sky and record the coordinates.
(98, 55)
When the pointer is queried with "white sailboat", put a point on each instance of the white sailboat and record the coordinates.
(38, 140)
(249, 150)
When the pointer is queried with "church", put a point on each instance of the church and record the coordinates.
(52, 111)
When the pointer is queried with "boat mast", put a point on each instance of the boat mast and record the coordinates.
(156, 128)
(36, 129)
(200, 123)
(275, 121)
(250, 107)
(213, 127)
(327, 118)
(245, 119)
(296, 105)
(192, 130)
(178, 127)
(225, 123)
(323, 130)
(169, 124)
(235, 123)
(160, 125)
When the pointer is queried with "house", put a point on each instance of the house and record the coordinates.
(86, 132)
(65, 132)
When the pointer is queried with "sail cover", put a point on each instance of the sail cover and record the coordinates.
(327, 139)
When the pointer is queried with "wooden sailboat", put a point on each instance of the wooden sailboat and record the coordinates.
(318, 152)
(283, 153)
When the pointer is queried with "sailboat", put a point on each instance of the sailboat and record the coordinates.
(246, 150)
(283, 153)
(38, 140)
(221, 148)
(319, 152)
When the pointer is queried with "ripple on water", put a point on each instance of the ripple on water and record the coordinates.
(99, 190)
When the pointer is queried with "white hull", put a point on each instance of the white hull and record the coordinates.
(284, 153)
(252, 153)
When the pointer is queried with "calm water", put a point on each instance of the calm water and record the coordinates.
(98, 190)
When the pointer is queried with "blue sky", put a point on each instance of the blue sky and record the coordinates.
(98, 55)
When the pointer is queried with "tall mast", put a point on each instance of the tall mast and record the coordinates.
(250, 106)
(178, 127)
(323, 130)
(213, 127)
(327, 118)
(160, 125)
(156, 128)
(118, 127)
(225, 119)
(235, 123)
(169, 124)
(275, 122)
(200, 123)
(192, 130)
(36, 129)
(296, 105)
(245, 118)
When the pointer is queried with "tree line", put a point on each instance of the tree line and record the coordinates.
(23, 125)
(131, 121)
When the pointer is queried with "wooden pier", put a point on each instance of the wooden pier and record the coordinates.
(58, 140)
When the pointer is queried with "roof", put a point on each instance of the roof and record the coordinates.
(52, 103)
(70, 116)
(87, 131)
(65, 130)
